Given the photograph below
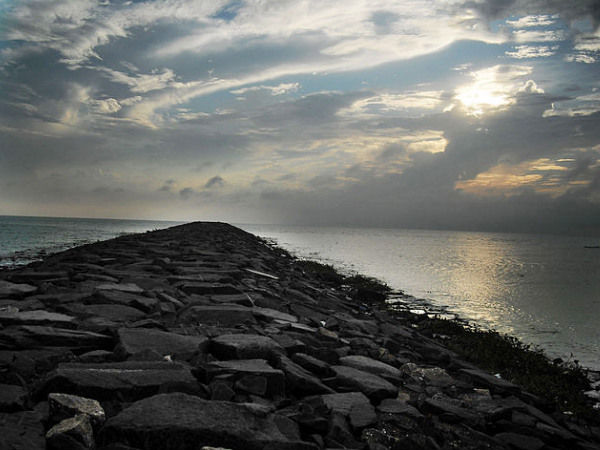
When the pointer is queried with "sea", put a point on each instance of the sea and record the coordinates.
(542, 289)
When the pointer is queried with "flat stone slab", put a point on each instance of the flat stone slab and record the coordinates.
(494, 384)
(245, 346)
(373, 386)
(371, 365)
(202, 288)
(115, 297)
(178, 346)
(300, 381)
(343, 403)
(8, 289)
(131, 379)
(114, 313)
(63, 406)
(120, 287)
(222, 315)
(273, 314)
(37, 317)
(250, 369)
(185, 422)
(33, 336)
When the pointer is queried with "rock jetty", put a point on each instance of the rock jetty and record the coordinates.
(202, 336)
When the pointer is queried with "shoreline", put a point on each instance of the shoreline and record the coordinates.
(207, 317)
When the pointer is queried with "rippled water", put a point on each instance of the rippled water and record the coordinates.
(25, 239)
(543, 289)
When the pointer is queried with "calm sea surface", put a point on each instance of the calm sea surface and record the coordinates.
(25, 239)
(542, 289)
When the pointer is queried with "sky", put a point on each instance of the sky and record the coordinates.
(446, 114)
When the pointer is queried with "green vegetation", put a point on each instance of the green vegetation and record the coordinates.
(560, 385)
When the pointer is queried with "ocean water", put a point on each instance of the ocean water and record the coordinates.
(543, 289)
(26, 239)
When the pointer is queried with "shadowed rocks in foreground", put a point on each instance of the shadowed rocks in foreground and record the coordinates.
(203, 336)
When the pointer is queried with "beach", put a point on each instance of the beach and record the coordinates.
(202, 335)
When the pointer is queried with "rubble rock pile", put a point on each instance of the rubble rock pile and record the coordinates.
(202, 336)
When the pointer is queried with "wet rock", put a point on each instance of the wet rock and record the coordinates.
(245, 346)
(33, 336)
(343, 403)
(269, 314)
(12, 398)
(300, 381)
(362, 416)
(113, 313)
(313, 364)
(75, 433)
(136, 340)
(253, 371)
(339, 433)
(131, 380)
(64, 406)
(182, 421)
(222, 315)
(38, 317)
(289, 344)
(374, 387)
(372, 366)
(116, 297)
(14, 290)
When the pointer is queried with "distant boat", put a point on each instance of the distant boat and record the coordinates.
(591, 246)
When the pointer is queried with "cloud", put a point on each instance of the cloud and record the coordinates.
(215, 182)
(530, 51)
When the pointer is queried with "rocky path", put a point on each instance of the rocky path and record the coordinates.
(201, 336)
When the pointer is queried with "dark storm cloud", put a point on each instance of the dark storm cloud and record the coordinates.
(215, 182)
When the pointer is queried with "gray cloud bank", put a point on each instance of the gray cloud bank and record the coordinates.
(220, 111)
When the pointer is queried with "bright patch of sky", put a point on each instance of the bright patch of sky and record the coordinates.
(241, 110)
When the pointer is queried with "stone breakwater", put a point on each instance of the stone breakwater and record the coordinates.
(202, 336)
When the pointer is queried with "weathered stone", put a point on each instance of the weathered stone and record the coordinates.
(222, 315)
(132, 379)
(275, 382)
(273, 314)
(290, 344)
(373, 386)
(38, 317)
(14, 290)
(300, 381)
(339, 433)
(372, 366)
(12, 398)
(64, 406)
(451, 413)
(494, 384)
(22, 431)
(120, 287)
(208, 288)
(245, 346)
(32, 277)
(343, 403)
(313, 364)
(32, 336)
(520, 441)
(116, 297)
(182, 421)
(115, 313)
(75, 433)
(362, 416)
(395, 406)
(178, 346)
